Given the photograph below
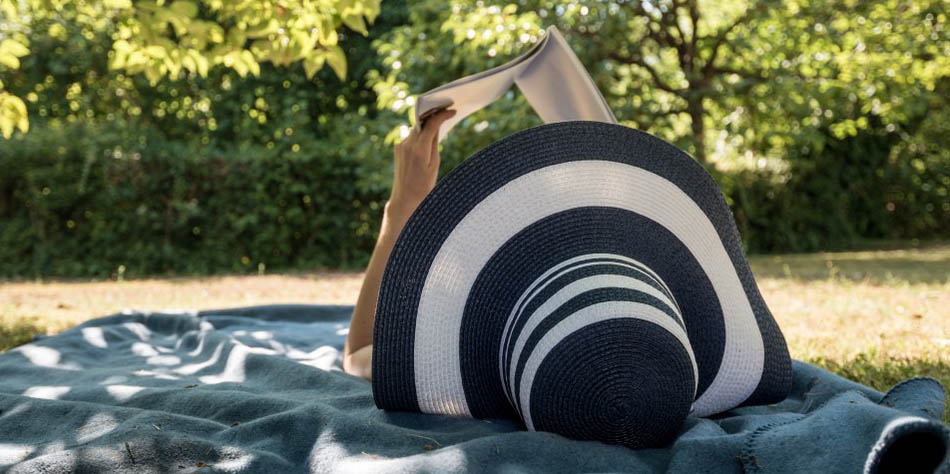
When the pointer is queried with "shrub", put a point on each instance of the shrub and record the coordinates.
(83, 201)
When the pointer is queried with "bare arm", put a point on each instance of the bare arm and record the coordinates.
(415, 171)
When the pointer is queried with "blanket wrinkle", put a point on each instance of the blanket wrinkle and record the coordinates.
(260, 390)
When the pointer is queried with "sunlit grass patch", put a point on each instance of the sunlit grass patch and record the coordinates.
(18, 331)
(874, 316)
(882, 373)
(926, 263)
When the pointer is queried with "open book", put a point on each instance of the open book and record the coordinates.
(549, 75)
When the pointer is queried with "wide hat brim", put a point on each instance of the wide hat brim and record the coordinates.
(600, 196)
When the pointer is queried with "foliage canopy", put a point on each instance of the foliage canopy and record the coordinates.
(195, 137)
(185, 38)
(717, 78)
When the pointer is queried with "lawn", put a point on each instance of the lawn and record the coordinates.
(875, 316)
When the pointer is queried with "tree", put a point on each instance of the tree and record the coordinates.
(188, 37)
(12, 47)
(742, 75)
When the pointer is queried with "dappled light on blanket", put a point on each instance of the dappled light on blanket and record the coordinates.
(141, 352)
(45, 357)
(260, 390)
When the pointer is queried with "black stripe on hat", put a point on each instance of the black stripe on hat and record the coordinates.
(622, 381)
(573, 274)
(592, 297)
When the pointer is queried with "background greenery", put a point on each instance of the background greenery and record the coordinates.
(825, 122)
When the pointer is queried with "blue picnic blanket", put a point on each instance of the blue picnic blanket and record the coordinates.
(257, 390)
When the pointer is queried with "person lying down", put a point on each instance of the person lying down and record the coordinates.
(584, 277)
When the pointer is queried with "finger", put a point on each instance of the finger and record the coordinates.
(431, 127)
(410, 138)
(431, 112)
(440, 116)
(434, 153)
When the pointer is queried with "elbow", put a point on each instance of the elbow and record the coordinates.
(359, 362)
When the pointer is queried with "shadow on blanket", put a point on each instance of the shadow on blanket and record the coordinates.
(260, 390)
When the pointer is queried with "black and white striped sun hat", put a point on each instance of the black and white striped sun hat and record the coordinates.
(584, 277)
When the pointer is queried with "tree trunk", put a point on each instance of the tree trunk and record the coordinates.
(696, 111)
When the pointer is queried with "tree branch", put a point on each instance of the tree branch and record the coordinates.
(720, 39)
(752, 75)
(644, 116)
(694, 20)
(638, 61)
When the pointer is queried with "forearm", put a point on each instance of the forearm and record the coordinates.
(360, 335)
(415, 169)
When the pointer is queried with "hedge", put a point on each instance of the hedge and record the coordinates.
(81, 203)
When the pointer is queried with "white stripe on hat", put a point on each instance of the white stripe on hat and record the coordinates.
(556, 272)
(547, 191)
(574, 289)
(570, 265)
(585, 317)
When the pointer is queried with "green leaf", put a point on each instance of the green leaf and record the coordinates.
(6, 125)
(201, 62)
(15, 48)
(23, 123)
(355, 22)
(172, 67)
(9, 10)
(153, 72)
(215, 33)
(337, 60)
(328, 35)
(236, 62)
(371, 10)
(313, 63)
(263, 29)
(251, 62)
(185, 8)
(13, 115)
(9, 60)
(156, 52)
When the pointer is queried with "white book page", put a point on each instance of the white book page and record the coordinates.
(472, 93)
(551, 77)
(558, 87)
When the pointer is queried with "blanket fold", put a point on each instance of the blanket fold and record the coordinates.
(256, 390)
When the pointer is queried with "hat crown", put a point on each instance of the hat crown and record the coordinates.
(604, 286)
(561, 315)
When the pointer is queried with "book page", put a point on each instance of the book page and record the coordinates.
(472, 93)
(550, 76)
(558, 87)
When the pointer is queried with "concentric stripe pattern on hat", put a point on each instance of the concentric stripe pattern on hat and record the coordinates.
(582, 281)
(550, 237)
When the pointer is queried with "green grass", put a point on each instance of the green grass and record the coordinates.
(882, 373)
(928, 263)
(874, 316)
(15, 332)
